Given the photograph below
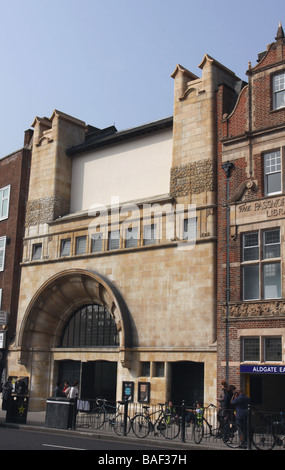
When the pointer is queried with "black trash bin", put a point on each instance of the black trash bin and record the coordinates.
(60, 413)
(17, 409)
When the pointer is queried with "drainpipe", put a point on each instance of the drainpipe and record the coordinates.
(227, 167)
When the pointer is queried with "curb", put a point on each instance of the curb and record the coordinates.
(159, 444)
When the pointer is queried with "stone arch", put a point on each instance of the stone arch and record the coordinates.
(59, 297)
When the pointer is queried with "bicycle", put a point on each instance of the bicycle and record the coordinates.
(279, 433)
(166, 424)
(228, 431)
(262, 437)
(112, 415)
(269, 435)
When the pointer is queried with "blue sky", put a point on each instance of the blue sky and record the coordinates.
(110, 62)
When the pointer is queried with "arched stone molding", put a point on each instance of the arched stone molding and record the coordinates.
(58, 298)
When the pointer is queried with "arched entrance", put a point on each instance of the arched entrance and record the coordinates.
(90, 326)
(48, 314)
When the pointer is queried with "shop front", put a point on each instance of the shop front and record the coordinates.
(265, 385)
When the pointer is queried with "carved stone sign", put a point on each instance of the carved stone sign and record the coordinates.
(258, 210)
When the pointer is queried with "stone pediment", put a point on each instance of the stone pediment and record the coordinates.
(244, 191)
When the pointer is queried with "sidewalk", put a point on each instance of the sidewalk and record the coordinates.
(34, 418)
(36, 421)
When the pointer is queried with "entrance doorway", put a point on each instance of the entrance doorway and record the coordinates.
(267, 391)
(69, 371)
(187, 382)
(98, 379)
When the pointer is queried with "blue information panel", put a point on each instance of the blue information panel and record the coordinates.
(262, 369)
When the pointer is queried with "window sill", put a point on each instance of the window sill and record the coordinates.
(273, 111)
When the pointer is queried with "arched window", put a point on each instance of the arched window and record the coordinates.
(91, 325)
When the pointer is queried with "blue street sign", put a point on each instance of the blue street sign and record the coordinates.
(262, 369)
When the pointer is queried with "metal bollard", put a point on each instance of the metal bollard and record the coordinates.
(248, 425)
(183, 421)
(126, 406)
(74, 414)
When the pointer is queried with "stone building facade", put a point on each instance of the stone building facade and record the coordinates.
(251, 140)
(124, 266)
(111, 309)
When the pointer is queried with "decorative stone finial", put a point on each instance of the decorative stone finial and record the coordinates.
(280, 32)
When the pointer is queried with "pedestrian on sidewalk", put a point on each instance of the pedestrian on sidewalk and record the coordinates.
(57, 391)
(241, 403)
(66, 388)
(74, 390)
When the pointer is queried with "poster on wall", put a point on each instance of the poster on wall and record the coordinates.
(2, 339)
(144, 392)
(128, 391)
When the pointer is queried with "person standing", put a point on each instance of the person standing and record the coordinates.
(57, 391)
(228, 407)
(221, 401)
(66, 389)
(241, 403)
(74, 390)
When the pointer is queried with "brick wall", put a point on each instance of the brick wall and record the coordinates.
(14, 171)
(244, 129)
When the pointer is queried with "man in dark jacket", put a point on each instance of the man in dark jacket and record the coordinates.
(241, 402)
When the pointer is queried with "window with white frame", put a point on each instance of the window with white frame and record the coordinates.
(261, 265)
(261, 349)
(2, 252)
(0, 299)
(272, 173)
(279, 91)
(4, 202)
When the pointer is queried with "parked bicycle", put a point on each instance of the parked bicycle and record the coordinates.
(202, 427)
(165, 424)
(263, 437)
(269, 434)
(113, 415)
(227, 430)
(279, 432)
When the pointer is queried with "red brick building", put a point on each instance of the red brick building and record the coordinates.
(14, 182)
(250, 270)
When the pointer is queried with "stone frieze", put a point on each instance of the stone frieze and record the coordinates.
(274, 308)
